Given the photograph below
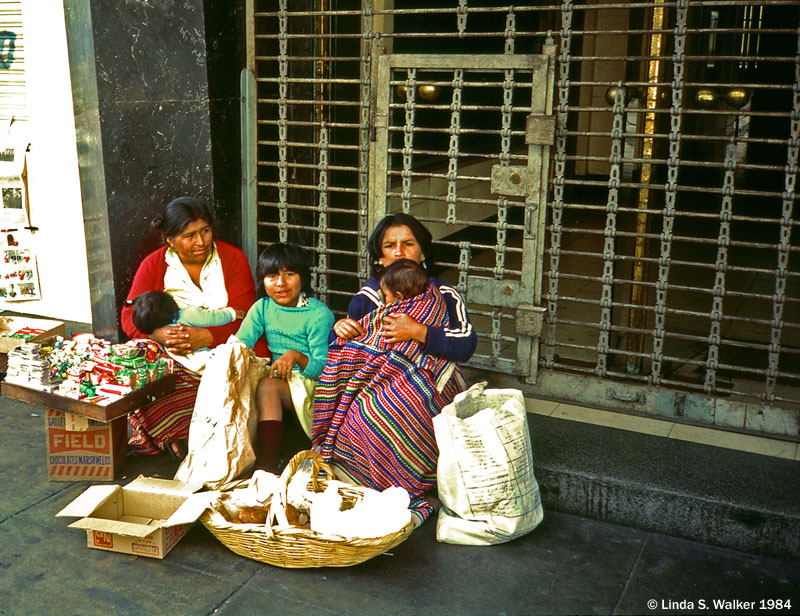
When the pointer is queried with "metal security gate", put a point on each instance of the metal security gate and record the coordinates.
(669, 269)
(455, 162)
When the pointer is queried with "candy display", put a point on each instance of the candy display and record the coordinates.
(27, 365)
(87, 368)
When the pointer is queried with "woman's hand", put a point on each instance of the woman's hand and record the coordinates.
(282, 367)
(347, 328)
(174, 338)
(399, 327)
(180, 339)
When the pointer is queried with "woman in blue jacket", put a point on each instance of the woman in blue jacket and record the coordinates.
(384, 436)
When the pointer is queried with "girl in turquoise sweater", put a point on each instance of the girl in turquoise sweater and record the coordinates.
(296, 327)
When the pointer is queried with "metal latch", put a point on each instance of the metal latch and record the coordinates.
(540, 129)
(511, 181)
(529, 320)
(491, 292)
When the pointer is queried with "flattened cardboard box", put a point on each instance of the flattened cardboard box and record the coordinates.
(82, 448)
(155, 390)
(147, 517)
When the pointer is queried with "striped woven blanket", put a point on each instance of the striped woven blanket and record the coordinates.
(375, 402)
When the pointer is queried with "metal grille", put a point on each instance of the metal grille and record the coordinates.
(671, 255)
(670, 262)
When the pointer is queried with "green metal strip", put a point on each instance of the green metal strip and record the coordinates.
(723, 413)
(249, 127)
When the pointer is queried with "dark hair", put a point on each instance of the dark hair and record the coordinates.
(285, 256)
(154, 309)
(404, 277)
(180, 212)
(418, 230)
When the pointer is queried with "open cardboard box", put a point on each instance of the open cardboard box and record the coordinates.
(11, 325)
(147, 517)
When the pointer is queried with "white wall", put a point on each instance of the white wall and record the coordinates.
(53, 181)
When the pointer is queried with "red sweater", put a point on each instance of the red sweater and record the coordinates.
(238, 283)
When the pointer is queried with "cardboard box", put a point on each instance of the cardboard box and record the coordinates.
(45, 329)
(82, 448)
(84, 440)
(147, 517)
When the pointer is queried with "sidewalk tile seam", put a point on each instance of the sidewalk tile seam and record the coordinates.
(631, 574)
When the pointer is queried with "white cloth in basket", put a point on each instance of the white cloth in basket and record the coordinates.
(377, 514)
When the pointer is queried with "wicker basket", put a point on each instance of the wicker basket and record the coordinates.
(296, 547)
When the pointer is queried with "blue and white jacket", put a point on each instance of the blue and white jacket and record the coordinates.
(455, 341)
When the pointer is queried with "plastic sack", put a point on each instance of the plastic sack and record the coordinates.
(222, 427)
(485, 472)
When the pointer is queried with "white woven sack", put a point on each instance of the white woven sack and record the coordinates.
(485, 471)
(224, 417)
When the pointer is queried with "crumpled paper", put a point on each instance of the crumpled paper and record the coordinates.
(224, 419)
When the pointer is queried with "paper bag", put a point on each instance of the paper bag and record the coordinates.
(224, 419)
(485, 472)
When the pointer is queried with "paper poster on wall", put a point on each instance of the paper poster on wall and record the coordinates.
(14, 211)
(19, 277)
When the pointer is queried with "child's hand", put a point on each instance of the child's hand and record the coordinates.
(282, 367)
(240, 314)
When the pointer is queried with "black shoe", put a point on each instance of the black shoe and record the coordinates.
(177, 449)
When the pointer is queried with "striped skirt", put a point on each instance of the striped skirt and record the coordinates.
(166, 419)
(373, 418)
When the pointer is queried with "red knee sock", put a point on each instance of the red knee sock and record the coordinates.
(294, 438)
(269, 434)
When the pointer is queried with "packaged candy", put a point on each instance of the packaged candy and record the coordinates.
(88, 368)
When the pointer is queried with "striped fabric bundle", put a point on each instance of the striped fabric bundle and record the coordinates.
(159, 422)
(375, 402)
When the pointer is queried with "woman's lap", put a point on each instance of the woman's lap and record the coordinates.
(375, 421)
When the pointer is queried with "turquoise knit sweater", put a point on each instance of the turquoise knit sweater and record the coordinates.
(303, 329)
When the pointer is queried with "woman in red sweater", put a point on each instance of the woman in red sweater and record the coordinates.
(197, 271)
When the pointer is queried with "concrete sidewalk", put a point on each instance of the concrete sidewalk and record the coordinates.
(568, 565)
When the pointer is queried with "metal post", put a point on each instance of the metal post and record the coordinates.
(787, 221)
(558, 181)
(609, 252)
(670, 193)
